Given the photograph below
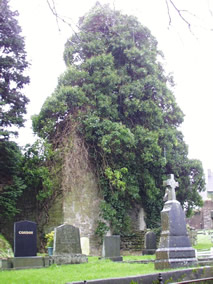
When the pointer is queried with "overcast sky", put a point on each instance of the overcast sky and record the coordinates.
(188, 55)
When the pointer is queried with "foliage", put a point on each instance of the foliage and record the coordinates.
(26, 174)
(116, 90)
(101, 230)
(5, 248)
(12, 66)
(37, 174)
(41, 174)
(12, 183)
(12, 108)
(50, 238)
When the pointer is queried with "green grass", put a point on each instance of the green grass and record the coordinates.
(138, 257)
(94, 269)
(203, 242)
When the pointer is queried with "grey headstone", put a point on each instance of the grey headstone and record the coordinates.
(150, 240)
(150, 243)
(111, 248)
(174, 248)
(66, 240)
(25, 239)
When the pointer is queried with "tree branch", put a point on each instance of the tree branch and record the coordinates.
(168, 10)
(53, 10)
(58, 17)
(179, 11)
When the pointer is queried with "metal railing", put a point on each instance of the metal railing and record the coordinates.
(194, 281)
(160, 280)
(201, 280)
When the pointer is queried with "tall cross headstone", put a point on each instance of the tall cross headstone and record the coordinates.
(170, 184)
(174, 248)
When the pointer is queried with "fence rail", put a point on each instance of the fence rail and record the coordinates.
(193, 281)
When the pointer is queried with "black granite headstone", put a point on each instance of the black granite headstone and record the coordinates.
(25, 239)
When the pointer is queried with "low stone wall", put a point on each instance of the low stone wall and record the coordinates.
(167, 277)
(40, 261)
(133, 243)
(24, 262)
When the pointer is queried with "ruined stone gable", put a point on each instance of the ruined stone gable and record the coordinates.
(80, 201)
(79, 204)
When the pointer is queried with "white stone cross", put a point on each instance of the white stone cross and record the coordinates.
(170, 184)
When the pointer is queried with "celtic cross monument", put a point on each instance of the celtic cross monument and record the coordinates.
(174, 248)
(170, 184)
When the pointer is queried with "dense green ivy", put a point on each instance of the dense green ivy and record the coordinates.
(116, 91)
(12, 184)
(38, 177)
(27, 172)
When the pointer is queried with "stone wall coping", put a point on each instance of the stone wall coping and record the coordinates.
(176, 275)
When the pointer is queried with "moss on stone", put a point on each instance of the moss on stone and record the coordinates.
(5, 248)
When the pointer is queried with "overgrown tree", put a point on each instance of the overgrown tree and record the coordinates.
(116, 89)
(12, 108)
(13, 63)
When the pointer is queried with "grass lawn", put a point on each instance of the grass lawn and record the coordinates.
(94, 269)
(203, 242)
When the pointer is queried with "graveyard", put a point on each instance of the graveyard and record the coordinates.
(172, 258)
(103, 194)
(93, 269)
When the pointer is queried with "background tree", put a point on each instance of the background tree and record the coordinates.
(116, 89)
(12, 108)
(11, 181)
(12, 66)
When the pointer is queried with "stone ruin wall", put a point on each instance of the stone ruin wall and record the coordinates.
(81, 199)
(82, 196)
(203, 219)
(80, 202)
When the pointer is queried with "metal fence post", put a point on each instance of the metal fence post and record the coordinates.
(160, 279)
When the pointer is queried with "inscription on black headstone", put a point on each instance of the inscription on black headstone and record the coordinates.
(25, 240)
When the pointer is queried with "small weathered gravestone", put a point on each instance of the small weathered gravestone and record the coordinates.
(174, 249)
(25, 239)
(111, 248)
(85, 245)
(67, 246)
(66, 240)
(150, 243)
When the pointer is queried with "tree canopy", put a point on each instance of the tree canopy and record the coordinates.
(12, 108)
(13, 63)
(116, 90)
